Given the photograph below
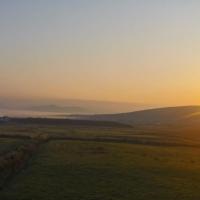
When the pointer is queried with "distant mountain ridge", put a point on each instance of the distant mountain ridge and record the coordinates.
(168, 115)
(57, 109)
(66, 105)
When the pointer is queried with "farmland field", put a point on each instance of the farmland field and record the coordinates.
(91, 162)
(6, 144)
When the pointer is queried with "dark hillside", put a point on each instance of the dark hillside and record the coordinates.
(47, 121)
(170, 115)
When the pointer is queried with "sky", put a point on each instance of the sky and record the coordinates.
(112, 50)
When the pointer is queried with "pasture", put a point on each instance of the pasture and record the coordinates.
(91, 162)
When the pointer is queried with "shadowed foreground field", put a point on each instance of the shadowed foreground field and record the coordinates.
(7, 144)
(118, 168)
(85, 170)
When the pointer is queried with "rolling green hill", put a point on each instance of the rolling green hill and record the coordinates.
(169, 115)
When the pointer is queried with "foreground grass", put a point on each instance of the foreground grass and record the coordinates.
(8, 144)
(90, 170)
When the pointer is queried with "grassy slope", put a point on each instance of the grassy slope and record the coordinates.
(90, 170)
(169, 115)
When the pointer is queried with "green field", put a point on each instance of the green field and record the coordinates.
(6, 144)
(126, 163)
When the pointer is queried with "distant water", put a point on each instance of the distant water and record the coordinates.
(26, 113)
